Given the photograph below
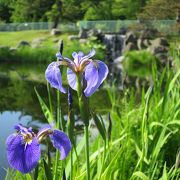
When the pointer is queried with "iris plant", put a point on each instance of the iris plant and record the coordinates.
(85, 76)
(23, 147)
(92, 73)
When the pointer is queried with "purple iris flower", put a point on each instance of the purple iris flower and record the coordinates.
(93, 72)
(23, 147)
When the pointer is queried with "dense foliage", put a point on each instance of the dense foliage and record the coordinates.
(73, 10)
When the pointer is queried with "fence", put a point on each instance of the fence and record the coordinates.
(65, 27)
(25, 26)
(168, 27)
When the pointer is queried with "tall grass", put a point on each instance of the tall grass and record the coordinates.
(144, 142)
(145, 133)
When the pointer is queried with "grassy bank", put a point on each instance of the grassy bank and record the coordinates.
(43, 52)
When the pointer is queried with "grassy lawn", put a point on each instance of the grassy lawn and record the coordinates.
(12, 38)
(46, 50)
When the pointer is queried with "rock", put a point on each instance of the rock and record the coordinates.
(130, 37)
(4, 48)
(123, 30)
(82, 33)
(157, 49)
(130, 46)
(73, 37)
(140, 44)
(147, 42)
(55, 40)
(37, 42)
(163, 58)
(83, 40)
(177, 19)
(149, 33)
(94, 32)
(159, 45)
(13, 49)
(97, 33)
(23, 44)
(55, 31)
(160, 42)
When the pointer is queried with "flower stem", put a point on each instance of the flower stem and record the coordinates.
(49, 98)
(84, 111)
(71, 177)
(87, 151)
(59, 122)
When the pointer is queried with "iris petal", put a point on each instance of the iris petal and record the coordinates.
(91, 54)
(91, 76)
(21, 128)
(77, 57)
(61, 58)
(61, 141)
(102, 74)
(43, 131)
(71, 77)
(21, 156)
(74, 55)
(53, 76)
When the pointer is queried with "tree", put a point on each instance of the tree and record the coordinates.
(55, 13)
(4, 12)
(112, 9)
(101, 10)
(127, 9)
(30, 10)
(72, 10)
(160, 9)
(21, 11)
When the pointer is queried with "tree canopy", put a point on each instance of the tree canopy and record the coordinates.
(74, 10)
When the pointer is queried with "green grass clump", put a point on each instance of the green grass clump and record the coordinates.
(138, 63)
(27, 54)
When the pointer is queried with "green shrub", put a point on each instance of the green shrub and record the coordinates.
(27, 54)
(138, 63)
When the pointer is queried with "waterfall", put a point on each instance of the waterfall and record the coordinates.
(114, 44)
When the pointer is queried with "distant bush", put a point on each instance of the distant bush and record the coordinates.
(138, 63)
(27, 54)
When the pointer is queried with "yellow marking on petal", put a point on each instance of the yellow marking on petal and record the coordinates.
(96, 64)
(27, 137)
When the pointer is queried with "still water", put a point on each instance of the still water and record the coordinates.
(19, 104)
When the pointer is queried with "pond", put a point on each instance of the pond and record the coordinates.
(19, 103)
